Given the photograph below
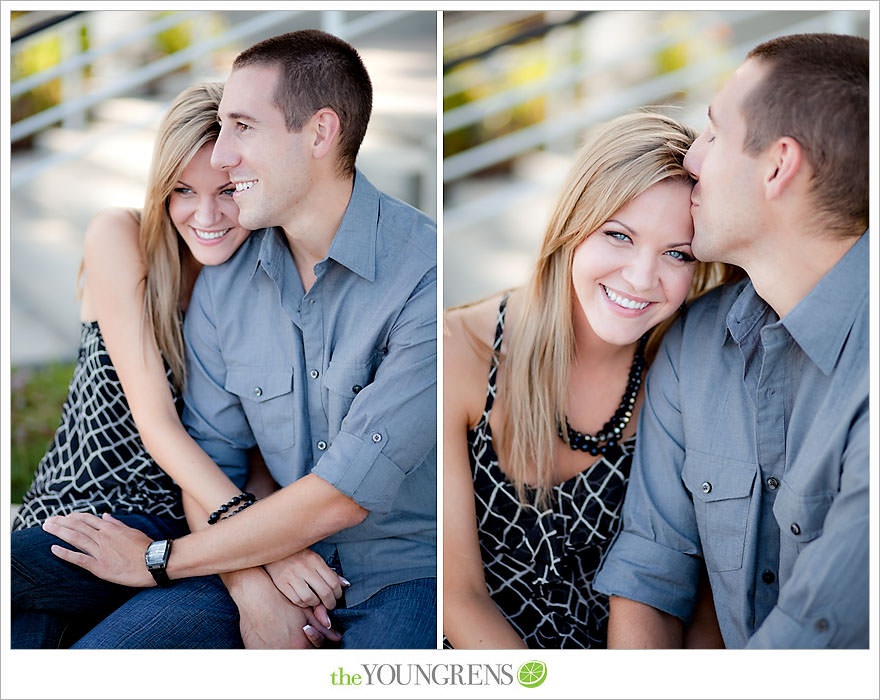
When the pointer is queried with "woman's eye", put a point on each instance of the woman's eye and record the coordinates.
(680, 255)
(182, 190)
(617, 235)
(710, 138)
(241, 126)
(229, 190)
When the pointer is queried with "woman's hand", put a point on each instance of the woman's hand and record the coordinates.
(306, 580)
(267, 620)
(108, 548)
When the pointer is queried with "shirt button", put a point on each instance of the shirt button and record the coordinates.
(821, 625)
(356, 388)
(322, 445)
(768, 576)
(377, 437)
(706, 486)
(314, 374)
(258, 391)
(772, 483)
(795, 529)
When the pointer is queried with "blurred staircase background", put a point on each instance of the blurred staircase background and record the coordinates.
(118, 72)
(521, 88)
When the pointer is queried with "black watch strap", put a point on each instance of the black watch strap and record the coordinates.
(161, 577)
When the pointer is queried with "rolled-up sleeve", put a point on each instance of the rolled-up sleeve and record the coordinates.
(824, 603)
(212, 415)
(390, 429)
(656, 557)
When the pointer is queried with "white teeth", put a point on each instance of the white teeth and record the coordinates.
(623, 301)
(210, 235)
(242, 186)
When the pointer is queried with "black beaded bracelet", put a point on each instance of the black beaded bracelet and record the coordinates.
(246, 499)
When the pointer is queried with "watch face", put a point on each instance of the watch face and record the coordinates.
(155, 555)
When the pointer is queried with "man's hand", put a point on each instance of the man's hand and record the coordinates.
(306, 580)
(268, 620)
(108, 548)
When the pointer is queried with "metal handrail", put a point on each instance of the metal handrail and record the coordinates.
(43, 25)
(529, 138)
(31, 81)
(331, 20)
(572, 74)
(26, 127)
(143, 75)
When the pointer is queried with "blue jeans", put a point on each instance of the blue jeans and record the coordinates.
(193, 613)
(54, 603)
(401, 616)
(57, 605)
(199, 614)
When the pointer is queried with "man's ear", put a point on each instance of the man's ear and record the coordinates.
(326, 130)
(784, 165)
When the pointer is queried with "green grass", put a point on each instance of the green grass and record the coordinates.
(37, 396)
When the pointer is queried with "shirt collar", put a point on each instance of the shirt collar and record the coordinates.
(746, 312)
(820, 322)
(272, 248)
(354, 244)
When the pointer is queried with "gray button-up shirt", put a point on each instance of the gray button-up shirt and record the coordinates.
(340, 381)
(753, 454)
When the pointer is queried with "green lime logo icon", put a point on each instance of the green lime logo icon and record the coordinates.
(531, 674)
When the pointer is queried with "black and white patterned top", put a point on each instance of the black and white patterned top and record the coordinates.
(539, 564)
(97, 462)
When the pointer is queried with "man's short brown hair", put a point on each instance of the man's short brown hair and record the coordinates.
(318, 70)
(816, 92)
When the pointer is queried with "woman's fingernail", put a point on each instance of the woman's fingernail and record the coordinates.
(344, 581)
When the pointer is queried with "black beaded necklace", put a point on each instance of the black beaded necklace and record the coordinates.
(612, 430)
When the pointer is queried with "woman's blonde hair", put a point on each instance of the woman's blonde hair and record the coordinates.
(621, 161)
(189, 124)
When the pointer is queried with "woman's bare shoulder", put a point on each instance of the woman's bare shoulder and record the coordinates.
(469, 330)
(113, 228)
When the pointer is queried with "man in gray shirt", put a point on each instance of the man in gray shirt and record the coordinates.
(315, 342)
(753, 440)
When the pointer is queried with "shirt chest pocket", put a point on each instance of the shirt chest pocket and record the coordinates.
(267, 399)
(344, 381)
(801, 519)
(721, 492)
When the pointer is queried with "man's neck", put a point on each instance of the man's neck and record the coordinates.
(312, 229)
(788, 266)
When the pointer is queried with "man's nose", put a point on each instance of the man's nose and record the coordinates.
(693, 159)
(223, 156)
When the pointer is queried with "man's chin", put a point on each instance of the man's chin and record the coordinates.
(251, 223)
(700, 247)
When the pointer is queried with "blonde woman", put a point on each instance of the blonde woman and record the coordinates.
(120, 447)
(536, 462)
